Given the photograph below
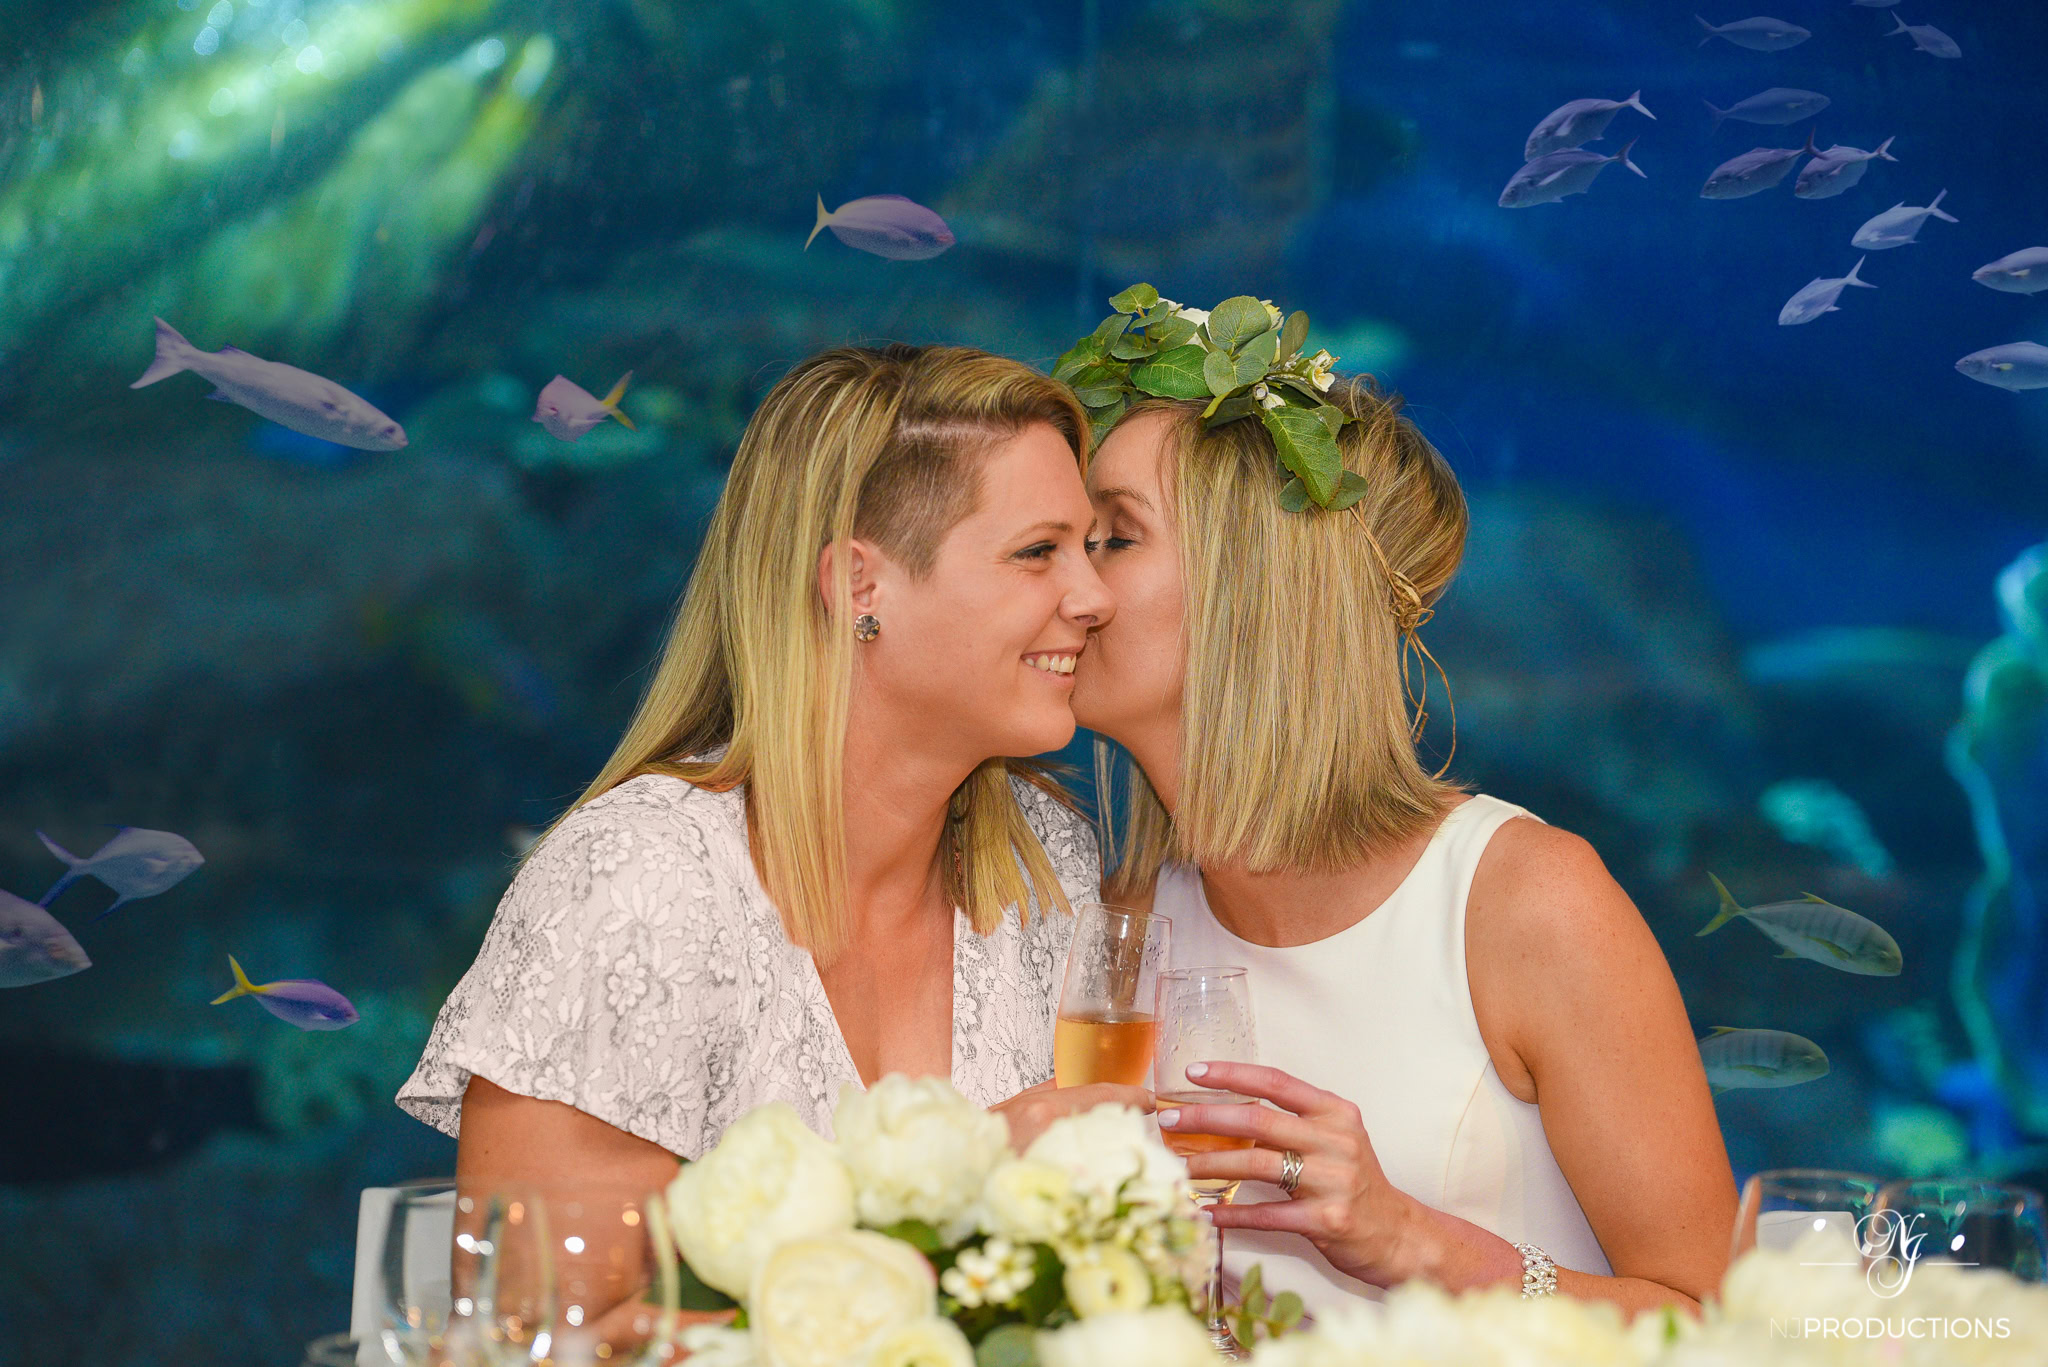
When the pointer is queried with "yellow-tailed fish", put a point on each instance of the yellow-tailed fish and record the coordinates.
(1814, 928)
(305, 1002)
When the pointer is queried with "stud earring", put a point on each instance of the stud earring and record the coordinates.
(866, 627)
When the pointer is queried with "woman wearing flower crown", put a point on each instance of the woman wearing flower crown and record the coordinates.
(1479, 1065)
(809, 862)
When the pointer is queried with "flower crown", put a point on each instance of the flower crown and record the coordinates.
(1243, 357)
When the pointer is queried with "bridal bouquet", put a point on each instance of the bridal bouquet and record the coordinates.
(1777, 1308)
(919, 1240)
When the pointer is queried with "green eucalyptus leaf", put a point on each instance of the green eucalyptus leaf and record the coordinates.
(1219, 373)
(1288, 1310)
(1007, 1345)
(1173, 374)
(1172, 332)
(1253, 1282)
(1293, 335)
(1157, 314)
(1111, 328)
(1297, 390)
(1307, 448)
(1082, 353)
(1263, 347)
(1237, 320)
(1101, 419)
(1332, 417)
(1133, 346)
(1250, 367)
(1230, 410)
(1351, 488)
(1294, 496)
(1136, 299)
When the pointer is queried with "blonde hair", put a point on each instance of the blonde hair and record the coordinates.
(880, 443)
(1296, 747)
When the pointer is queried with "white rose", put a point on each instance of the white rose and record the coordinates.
(1107, 1280)
(1195, 316)
(1028, 1202)
(1108, 1154)
(1165, 1336)
(718, 1345)
(930, 1342)
(830, 1300)
(918, 1150)
(768, 1180)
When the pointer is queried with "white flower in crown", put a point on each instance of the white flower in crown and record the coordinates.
(1319, 366)
(1272, 312)
(1266, 397)
(918, 1150)
(995, 1274)
(1195, 316)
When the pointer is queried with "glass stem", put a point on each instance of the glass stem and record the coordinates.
(1216, 1323)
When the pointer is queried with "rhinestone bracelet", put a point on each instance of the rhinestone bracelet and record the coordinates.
(1539, 1273)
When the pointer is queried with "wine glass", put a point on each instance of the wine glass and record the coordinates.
(416, 1267)
(1106, 1028)
(1205, 1016)
(601, 1245)
(1961, 1223)
(1785, 1207)
(503, 1304)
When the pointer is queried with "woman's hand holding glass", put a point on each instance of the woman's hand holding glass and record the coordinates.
(1342, 1201)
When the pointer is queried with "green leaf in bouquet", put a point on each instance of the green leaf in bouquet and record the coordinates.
(1251, 1291)
(1306, 448)
(1172, 332)
(1099, 384)
(1048, 1290)
(1133, 346)
(1294, 496)
(1104, 417)
(1287, 1310)
(1082, 354)
(1351, 488)
(1251, 364)
(1219, 374)
(1111, 328)
(1173, 374)
(1293, 333)
(919, 1234)
(1230, 410)
(696, 1295)
(1332, 417)
(1008, 1345)
(1236, 321)
(1136, 299)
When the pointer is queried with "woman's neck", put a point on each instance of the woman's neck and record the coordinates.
(895, 810)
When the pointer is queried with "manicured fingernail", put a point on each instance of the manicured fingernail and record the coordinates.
(1196, 1070)
(1169, 1118)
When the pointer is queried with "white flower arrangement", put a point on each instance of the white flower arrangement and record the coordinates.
(918, 1240)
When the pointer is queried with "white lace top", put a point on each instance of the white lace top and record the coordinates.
(637, 970)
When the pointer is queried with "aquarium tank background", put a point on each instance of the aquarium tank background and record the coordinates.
(1745, 595)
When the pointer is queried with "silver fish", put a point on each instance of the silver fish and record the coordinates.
(1835, 170)
(1753, 172)
(135, 863)
(1760, 1058)
(2014, 366)
(568, 410)
(1819, 297)
(1814, 928)
(1760, 34)
(34, 947)
(1554, 175)
(1898, 225)
(1778, 105)
(1577, 123)
(1927, 38)
(885, 225)
(2022, 272)
(285, 394)
(305, 1002)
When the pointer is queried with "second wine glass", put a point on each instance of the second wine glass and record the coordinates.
(1205, 1016)
(1106, 1028)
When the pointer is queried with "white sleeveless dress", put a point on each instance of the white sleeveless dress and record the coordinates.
(1381, 1013)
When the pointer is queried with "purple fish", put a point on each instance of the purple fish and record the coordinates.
(1753, 172)
(1927, 38)
(135, 863)
(1835, 170)
(305, 1002)
(34, 948)
(1778, 105)
(568, 410)
(298, 399)
(1552, 176)
(885, 225)
(1577, 123)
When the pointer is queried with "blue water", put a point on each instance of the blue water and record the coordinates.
(1709, 553)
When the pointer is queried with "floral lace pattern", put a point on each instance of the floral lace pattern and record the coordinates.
(637, 970)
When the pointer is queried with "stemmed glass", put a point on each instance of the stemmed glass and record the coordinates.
(1784, 1207)
(1961, 1223)
(503, 1278)
(1106, 1028)
(1205, 1016)
(416, 1268)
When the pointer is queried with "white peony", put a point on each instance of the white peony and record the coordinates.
(768, 1180)
(719, 1345)
(1162, 1337)
(1109, 1154)
(931, 1342)
(1107, 1280)
(1028, 1202)
(832, 1299)
(918, 1150)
